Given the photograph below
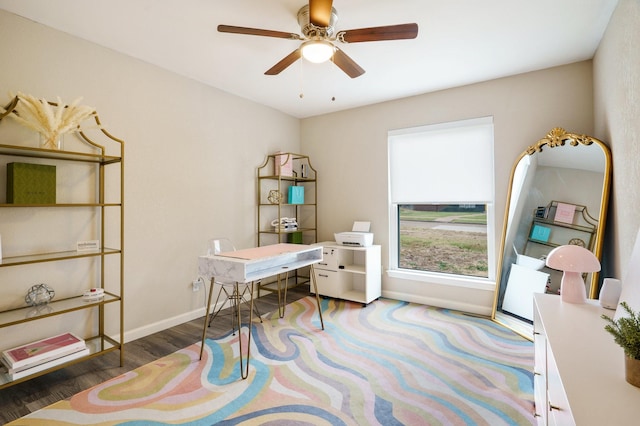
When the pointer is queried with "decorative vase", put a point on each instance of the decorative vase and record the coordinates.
(632, 370)
(51, 141)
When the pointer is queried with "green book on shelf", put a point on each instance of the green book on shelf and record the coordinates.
(295, 237)
(31, 183)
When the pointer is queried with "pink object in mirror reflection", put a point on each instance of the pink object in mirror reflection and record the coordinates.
(573, 261)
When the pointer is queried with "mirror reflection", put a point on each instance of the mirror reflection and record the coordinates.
(558, 195)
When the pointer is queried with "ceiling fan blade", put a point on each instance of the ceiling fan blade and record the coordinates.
(284, 63)
(320, 12)
(390, 32)
(258, 32)
(346, 64)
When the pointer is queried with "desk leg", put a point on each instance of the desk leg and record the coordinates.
(206, 317)
(244, 371)
(312, 272)
(281, 300)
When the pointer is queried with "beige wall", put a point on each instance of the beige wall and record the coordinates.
(617, 121)
(191, 158)
(349, 149)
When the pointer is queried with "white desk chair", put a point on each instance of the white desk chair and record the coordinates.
(233, 297)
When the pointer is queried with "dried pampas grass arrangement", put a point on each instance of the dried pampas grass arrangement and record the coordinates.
(50, 120)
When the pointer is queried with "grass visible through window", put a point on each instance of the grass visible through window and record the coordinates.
(452, 242)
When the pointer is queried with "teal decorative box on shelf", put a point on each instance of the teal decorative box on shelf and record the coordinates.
(540, 233)
(31, 183)
(296, 195)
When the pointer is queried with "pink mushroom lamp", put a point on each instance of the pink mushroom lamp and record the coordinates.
(573, 261)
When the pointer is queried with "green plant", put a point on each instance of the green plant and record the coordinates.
(626, 331)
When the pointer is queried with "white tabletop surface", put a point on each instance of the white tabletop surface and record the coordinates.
(260, 262)
(590, 363)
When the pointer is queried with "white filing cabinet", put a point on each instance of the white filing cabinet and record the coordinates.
(349, 272)
(579, 370)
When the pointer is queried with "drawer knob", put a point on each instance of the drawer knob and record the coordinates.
(554, 407)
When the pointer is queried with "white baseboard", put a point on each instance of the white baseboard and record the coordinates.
(148, 329)
(440, 303)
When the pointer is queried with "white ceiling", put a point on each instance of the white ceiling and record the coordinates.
(459, 42)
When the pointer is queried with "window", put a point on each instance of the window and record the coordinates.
(441, 199)
(446, 238)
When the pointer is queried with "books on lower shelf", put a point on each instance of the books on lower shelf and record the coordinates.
(15, 375)
(43, 354)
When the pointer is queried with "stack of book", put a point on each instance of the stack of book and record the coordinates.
(43, 354)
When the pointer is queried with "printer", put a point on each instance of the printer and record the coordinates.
(358, 236)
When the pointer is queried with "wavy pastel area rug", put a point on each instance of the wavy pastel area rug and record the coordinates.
(390, 363)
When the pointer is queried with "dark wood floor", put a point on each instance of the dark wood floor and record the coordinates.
(24, 398)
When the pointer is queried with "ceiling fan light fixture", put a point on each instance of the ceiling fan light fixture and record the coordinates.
(317, 51)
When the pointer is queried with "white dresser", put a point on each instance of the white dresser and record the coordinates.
(579, 369)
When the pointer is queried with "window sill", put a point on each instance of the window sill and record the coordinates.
(443, 279)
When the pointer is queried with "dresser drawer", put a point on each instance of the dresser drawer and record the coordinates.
(329, 259)
(328, 282)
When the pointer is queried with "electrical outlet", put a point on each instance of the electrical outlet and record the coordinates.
(196, 285)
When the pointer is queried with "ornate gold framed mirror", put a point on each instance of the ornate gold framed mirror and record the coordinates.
(558, 194)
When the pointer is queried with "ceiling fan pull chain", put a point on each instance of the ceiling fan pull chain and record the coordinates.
(301, 76)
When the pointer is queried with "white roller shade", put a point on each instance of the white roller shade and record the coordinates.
(442, 163)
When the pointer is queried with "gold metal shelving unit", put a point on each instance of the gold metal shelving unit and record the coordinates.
(99, 342)
(270, 209)
(580, 231)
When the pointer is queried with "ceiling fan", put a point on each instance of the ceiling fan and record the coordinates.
(317, 21)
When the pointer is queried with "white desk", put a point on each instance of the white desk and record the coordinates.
(254, 264)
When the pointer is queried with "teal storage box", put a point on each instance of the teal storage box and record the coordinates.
(540, 233)
(296, 195)
(31, 183)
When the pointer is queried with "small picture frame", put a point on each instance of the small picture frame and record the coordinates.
(541, 212)
(89, 245)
